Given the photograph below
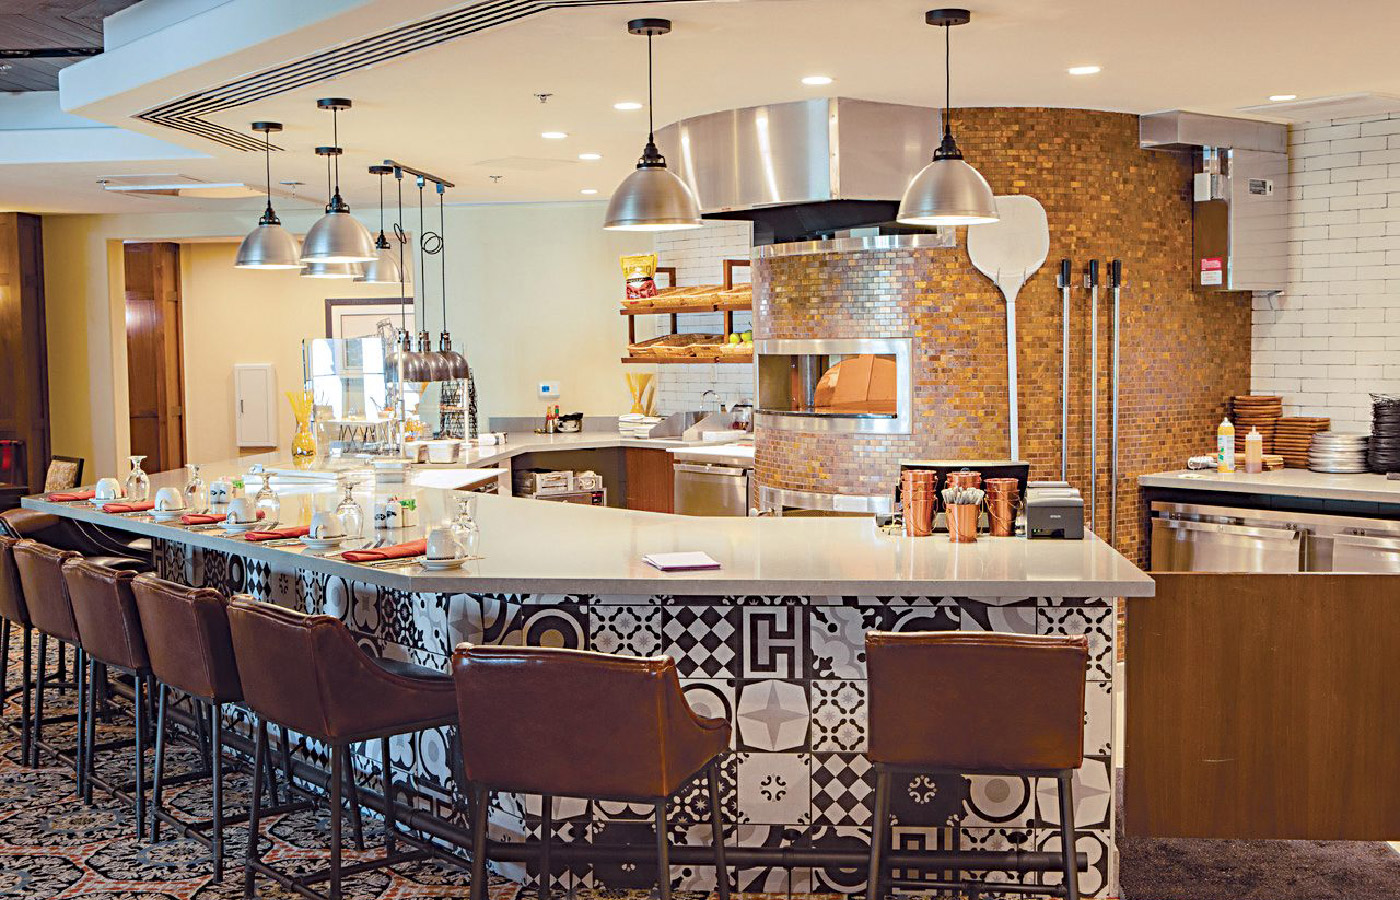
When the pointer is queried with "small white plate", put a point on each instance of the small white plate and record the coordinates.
(241, 527)
(98, 504)
(168, 515)
(322, 543)
(438, 565)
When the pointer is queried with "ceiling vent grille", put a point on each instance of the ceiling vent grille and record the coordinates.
(187, 113)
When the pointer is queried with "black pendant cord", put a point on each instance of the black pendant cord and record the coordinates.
(382, 238)
(947, 80)
(335, 139)
(403, 272)
(442, 244)
(269, 217)
(651, 94)
(422, 249)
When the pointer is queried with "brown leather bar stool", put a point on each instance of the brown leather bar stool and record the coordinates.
(307, 673)
(190, 650)
(15, 614)
(50, 612)
(574, 723)
(974, 703)
(109, 628)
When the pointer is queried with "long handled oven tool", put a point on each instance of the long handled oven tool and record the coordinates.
(1064, 282)
(1091, 281)
(1115, 281)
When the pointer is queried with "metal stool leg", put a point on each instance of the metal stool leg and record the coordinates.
(875, 878)
(39, 682)
(216, 752)
(287, 760)
(80, 671)
(141, 725)
(352, 796)
(663, 852)
(158, 776)
(481, 804)
(4, 660)
(337, 811)
(26, 703)
(546, 871)
(251, 855)
(717, 832)
(1067, 835)
(388, 788)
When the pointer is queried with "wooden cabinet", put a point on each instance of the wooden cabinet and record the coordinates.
(650, 480)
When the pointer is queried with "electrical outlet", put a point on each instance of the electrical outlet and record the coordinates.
(549, 390)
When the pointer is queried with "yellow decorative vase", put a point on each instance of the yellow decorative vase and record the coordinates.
(303, 442)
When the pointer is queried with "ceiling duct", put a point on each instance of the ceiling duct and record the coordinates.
(804, 170)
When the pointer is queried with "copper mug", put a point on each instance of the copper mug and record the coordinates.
(962, 522)
(918, 516)
(963, 479)
(1001, 513)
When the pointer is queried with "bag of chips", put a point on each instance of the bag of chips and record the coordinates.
(640, 271)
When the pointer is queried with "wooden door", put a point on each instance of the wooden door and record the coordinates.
(154, 361)
(650, 480)
(24, 385)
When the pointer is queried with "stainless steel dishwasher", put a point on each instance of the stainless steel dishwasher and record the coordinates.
(712, 489)
(1214, 539)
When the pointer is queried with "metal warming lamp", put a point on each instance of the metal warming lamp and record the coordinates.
(947, 191)
(269, 246)
(337, 237)
(384, 268)
(455, 364)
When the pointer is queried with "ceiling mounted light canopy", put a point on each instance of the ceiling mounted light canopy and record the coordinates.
(653, 198)
(947, 191)
(337, 237)
(384, 268)
(269, 246)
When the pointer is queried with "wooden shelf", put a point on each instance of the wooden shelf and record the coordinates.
(689, 360)
(693, 308)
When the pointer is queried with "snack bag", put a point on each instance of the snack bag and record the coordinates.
(640, 271)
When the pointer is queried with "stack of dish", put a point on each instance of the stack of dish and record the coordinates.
(1293, 437)
(1339, 452)
(1385, 434)
(1257, 411)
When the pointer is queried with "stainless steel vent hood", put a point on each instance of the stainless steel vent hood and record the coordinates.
(1240, 188)
(803, 170)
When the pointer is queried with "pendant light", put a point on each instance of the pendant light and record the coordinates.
(342, 270)
(269, 246)
(384, 268)
(337, 237)
(455, 363)
(948, 191)
(400, 359)
(653, 198)
(435, 366)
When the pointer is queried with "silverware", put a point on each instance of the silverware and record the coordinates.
(390, 563)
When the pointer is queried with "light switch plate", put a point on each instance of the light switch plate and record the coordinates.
(549, 390)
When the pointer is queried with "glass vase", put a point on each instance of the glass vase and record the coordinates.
(303, 441)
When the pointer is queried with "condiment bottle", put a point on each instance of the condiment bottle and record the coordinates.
(1253, 452)
(1225, 447)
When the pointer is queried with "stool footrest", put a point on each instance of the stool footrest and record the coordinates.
(985, 887)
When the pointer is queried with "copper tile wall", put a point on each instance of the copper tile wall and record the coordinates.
(1182, 353)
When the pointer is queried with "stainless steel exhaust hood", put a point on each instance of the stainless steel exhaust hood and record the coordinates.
(803, 170)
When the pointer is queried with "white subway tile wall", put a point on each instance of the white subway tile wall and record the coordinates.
(1333, 336)
(698, 257)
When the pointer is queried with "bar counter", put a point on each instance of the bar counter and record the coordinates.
(773, 641)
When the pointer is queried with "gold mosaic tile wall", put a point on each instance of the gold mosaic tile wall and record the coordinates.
(1182, 353)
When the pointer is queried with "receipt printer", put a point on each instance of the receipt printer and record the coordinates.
(1054, 510)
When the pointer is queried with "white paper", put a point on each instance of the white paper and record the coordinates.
(681, 561)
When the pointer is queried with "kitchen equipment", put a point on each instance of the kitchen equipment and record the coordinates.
(1054, 509)
(1008, 251)
(1115, 282)
(1383, 456)
(1188, 538)
(571, 423)
(542, 481)
(1339, 453)
(588, 481)
(1293, 438)
(1257, 411)
(1091, 281)
(1065, 282)
(711, 489)
(743, 415)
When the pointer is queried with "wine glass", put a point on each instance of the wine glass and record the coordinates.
(464, 526)
(196, 494)
(266, 502)
(350, 513)
(138, 485)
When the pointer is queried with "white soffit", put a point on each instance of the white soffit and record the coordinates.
(1319, 109)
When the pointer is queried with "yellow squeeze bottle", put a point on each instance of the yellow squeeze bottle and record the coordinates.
(1225, 447)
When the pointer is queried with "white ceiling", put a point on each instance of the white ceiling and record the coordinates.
(466, 109)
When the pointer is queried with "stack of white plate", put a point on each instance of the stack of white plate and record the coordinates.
(1339, 452)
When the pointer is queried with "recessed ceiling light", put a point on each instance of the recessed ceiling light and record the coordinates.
(1084, 70)
(817, 80)
(627, 105)
(590, 157)
(554, 135)
(589, 191)
(1282, 98)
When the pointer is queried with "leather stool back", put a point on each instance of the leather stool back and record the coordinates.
(104, 608)
(45, 594)
(591, 724)
(976, 702)
(12, 605)
(187, 638)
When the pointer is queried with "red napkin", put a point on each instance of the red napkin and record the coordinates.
(129, 507)
(276, 533)
(398, 551)
(200, 519)
(70, 496)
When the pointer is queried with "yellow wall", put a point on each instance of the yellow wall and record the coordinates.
(533, 293)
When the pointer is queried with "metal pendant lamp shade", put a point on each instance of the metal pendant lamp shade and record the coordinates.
(332, 270)
(947, 191)
(269, 246)
(653, 198)
(337, 237)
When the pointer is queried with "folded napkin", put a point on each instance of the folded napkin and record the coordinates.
(70, 496)
(276, 533)
(398, 551)
(200, 519)
(129, 507)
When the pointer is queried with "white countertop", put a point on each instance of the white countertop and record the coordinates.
(532, 546)
(1282, 482)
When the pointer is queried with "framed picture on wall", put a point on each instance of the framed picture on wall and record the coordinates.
(358, 318)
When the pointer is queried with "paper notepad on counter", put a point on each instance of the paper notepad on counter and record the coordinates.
(688, 561)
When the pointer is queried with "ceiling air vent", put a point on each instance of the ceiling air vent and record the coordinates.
(177, 186)
(1321, 109)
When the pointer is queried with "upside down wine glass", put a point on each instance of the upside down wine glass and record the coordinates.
(138, 484)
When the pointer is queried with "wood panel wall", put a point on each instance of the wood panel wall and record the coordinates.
(24, 378)
(1264, 706)
(155, 364)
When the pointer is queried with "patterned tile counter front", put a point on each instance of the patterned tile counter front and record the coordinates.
(788, 671)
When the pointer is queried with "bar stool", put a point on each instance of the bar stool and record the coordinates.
(307, 673)
(188, 645)
(109, 628)
(51, 614)
(974, 703)
(15, 614)
(580, 724)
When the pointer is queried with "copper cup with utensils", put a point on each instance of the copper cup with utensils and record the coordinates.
(962, 521)
(1003, 502)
